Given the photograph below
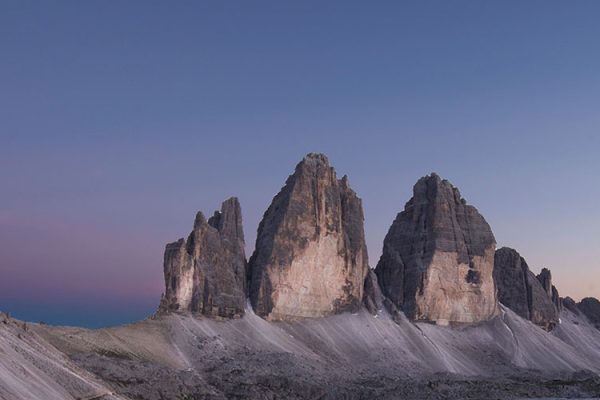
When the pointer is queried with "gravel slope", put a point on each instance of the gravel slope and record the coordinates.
(30, 368)
(351, 356)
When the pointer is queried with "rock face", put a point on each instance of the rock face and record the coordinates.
(520, 290)
(373, 297)
(310, 258)
(590, 307)
(511, 274)
(570, 304)
(545, 278)
(438, 257)
(206, 273)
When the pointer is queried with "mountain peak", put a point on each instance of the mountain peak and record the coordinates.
(438, 255)
(310, 258)
(206, 274)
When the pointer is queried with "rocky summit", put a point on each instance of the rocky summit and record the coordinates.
(438, 257)
(206, 273)
(310, 258)
(533, 298)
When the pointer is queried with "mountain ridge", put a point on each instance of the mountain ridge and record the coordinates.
(445, 315)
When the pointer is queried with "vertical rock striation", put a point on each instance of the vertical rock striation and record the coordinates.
(206, 273)
(438, 257)
(310, 258)
(533, 298)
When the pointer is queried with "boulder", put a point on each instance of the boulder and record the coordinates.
(438, 258)
(310, 258)
(206, 273)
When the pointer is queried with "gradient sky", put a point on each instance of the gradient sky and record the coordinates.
(119, 120)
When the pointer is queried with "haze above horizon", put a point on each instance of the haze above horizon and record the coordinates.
(120, 120)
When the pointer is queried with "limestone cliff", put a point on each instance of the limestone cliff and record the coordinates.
(310, 258)
(438, 257)
(206, 273)
(531, 297)
(590, 307)
(545, 278)
(373, 298)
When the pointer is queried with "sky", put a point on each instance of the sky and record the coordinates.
(120, 120)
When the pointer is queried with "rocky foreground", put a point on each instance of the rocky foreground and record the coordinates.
(345, 356)
(444, 315)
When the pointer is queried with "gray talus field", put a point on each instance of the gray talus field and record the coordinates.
(352, 356)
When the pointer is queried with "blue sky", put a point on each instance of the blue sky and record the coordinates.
(119, 120)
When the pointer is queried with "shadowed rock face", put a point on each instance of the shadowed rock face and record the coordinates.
(520, 290)
(373, 297)
(511, 276)
(545, 278)
(438, 257)
(590, 307)
(206, 273)
(570, 304)
(310, 258)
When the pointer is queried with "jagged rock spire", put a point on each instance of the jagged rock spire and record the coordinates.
(310, 258)
(520, 290)
(206, 274)
(545, 278)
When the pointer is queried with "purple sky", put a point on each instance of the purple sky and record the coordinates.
(118, 121)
